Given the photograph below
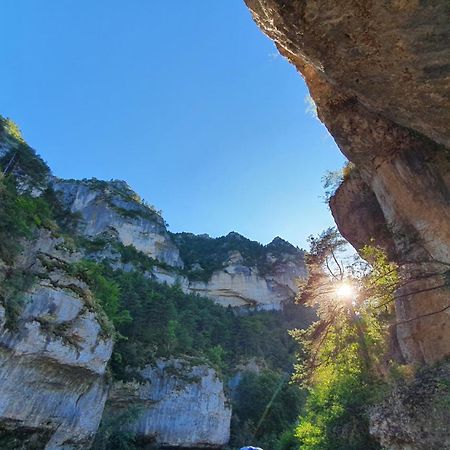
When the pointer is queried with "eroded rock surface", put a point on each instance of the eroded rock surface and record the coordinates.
(53, 356)
(416, 415)
(239, 285)
(380, 76)
(178, 404)
(111, 212)
(112, 207)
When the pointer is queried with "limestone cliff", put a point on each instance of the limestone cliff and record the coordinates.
(416, 414)
(379, 74)
(83, 263)
(178, 404)
(53, 354)
(112, 207)
(230, 270)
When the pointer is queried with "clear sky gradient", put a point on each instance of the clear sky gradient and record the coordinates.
(186, 100)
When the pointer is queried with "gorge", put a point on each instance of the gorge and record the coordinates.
(379, 75)
(117, 333)
(88, 266)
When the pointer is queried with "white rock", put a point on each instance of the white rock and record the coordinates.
(52, 363)
(182, 406)
(138, 227)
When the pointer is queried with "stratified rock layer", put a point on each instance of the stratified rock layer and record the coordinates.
(380, 76)
(112, 207)
(53, 356)
(113, 212)
(178, 405)
(240, 285)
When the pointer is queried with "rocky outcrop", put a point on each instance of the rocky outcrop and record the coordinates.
(178, 404)
(416, 415)
(240, 285)
(379, 74)
(357, 211)
(113, 212)
(112, 207)
(53, 355)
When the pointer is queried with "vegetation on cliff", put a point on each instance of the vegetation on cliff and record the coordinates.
(343, 361)
(211, 254)
(149, 319)
(156, 320)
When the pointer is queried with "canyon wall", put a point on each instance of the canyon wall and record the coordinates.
(53, 354)
(83, 261)
(178, 404)
(379, 74)
(238, 272)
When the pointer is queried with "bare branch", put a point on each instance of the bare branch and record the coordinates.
(423, 315)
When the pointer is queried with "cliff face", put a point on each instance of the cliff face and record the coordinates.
(237, 272)
(83, 262)
(379, 75)
(53, 355)
(112, 207)
(239, 283)
(416, 415)
(178, 404)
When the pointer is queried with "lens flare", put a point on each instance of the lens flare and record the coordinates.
(345, 291)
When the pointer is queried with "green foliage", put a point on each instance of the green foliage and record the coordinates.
(334, 178)
(335, 414)
(140, 261)
(9, 129)
(22, 438)
(26, 165)
(21, 211)
(213, 253)
(167, 322)
(19, 216)
(341, 354)
(106, 291)
(266, 406)
(381, 281)
(288, 441)
(12, 287)
(112, 432)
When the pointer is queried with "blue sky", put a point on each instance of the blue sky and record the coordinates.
(186, 100)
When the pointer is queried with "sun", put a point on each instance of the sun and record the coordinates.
(345, 291)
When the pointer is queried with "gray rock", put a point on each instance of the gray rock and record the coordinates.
(180, 405)
(416, 415)
(112, 207)
(53, 360)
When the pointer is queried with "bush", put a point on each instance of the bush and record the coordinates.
(266, 405)
(112, 432)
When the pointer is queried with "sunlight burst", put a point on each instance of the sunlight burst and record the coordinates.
(345, 291)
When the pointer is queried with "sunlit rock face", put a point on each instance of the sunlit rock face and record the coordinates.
(246, 273)
(240, 284)
(53, 356)
(379, 74)
(178, 404)
(112, 207)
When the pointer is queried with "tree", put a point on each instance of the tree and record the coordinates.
(341, 353)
